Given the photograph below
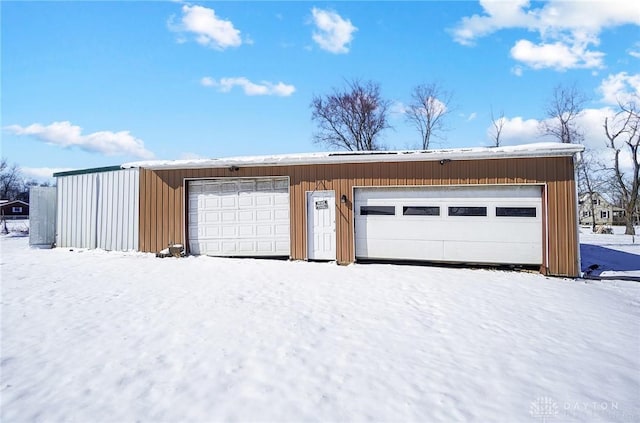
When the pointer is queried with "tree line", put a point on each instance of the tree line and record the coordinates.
(354, 117)
(13, 185)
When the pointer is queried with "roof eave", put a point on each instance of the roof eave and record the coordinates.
(393, 157)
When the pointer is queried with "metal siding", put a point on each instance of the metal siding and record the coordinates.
(42, 216)
(99, 210)
(75, 201)
(556, 173)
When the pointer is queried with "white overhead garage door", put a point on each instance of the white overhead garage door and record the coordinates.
(239, 217)
(480, 224)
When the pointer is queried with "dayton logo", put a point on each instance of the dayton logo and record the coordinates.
(544, 408)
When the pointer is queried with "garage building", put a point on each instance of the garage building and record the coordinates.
(505, 205)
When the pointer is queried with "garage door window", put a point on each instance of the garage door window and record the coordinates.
(515, 211)
(420, 211)
(467, 211)
(377, 210)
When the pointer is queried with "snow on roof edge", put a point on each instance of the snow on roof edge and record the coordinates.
(548, 149)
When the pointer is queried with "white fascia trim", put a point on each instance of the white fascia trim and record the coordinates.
(478, 153)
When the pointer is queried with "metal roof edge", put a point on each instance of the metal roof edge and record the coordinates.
(348, 157)
(86, 171)
(8, 202)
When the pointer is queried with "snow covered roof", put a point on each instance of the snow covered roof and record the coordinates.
(9, 202)
(475, 153)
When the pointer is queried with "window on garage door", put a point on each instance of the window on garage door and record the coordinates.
(421, 211)
(467, 211)
(377, 210)
(515, 211)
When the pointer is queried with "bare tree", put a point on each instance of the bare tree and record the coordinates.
(561, 111)
(429, 107)
(592, 179)
(623, 132)
(498, 126)
(351, 118)
(11, 184)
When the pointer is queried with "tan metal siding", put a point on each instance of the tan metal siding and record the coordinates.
(162, 199)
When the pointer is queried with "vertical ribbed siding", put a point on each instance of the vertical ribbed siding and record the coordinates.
(117, 213)
(162, 197)
(76, 211)
(42, 216)
(99, 210)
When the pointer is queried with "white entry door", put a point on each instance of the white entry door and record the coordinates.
(321, 225)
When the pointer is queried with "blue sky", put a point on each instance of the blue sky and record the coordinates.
(88, 84)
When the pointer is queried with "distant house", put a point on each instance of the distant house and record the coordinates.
(15, 209)
(605, 212)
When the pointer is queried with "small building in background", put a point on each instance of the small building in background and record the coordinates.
(14, 209)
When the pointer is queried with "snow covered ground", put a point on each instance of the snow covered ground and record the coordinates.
(94, 336)
(610, 255)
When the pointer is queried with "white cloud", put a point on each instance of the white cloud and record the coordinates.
(567, 29)
(333, 33)
(620, 87)
(250, 88)
(209, 30)
(397, 108)
(558, 55)
(207, 81)
(42, 173)
(518, 130)
(66, 135)
(472, 116)
(517, 70)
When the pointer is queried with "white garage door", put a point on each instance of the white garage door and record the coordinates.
(488, 224)
(239, 217)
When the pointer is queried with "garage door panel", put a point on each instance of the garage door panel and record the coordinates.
(281, 230)
(400, 249)
(229, 231)
(264, 185)
(246, 186)
(228, 247)
(280, 215)
(264, 231)
(209, 232)
(245, 201)
(281, 200)
(264, 215)
(246, 216)
(442, 231)
(458, 235)
(209, 217)
(264, 200)
(246, 231)
(226, 202)
(282, 246)
(209, 203)
(484, 252)
(228, 217)
(239, 217)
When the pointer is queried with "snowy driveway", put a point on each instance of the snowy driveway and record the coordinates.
(90, 336)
